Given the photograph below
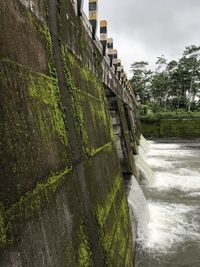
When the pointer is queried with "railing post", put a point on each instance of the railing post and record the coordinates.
(103, 35)
(110, 50)
(126, 82)
(93, 9)
(115, 60)
(119, 69)
(122, 75)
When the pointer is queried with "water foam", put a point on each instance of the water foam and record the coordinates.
(144, 171)
(175, 153)
(138, 204)
(169, 224)
(183, 179)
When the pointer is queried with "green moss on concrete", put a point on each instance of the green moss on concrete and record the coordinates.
(129, 254)
(2, 227)
(77, 109)
(92, 80)
(84, 252)
(29, 205)
(100, 117)
(46, 91)
(42, 30)
(70, 253)
(88, 102)
(97, 62)
(47, 35)
(98, 104)
(101, 211)
(107, 147)
(114, 227)
(83, 45)
(78, 251)
(31, 20)
(117, 241)
(59, 16)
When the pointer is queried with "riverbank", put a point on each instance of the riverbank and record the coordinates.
(187, 127)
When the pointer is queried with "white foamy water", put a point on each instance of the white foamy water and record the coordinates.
(170, 224)
(144, 171)
(182, 180)
(175, 153)
(138, 204)
(159, 163)
(144, 144)
(173, 190)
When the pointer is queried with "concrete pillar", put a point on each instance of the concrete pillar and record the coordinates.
(115, 60)
(93, 10)
(122, 75)
(125, 81)
(80, 7)
(119, 68)
(110, 50)
(103, 35)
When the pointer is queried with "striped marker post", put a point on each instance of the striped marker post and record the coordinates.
(93, 9)
(103, 35)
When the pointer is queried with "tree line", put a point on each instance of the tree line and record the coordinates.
(173, 85)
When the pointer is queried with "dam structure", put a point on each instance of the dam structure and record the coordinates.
(69, 132)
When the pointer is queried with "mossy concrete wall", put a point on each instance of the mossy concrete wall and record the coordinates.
(177, 128)
(62, 197)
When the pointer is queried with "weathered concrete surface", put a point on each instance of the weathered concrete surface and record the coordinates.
(62, 197)
(177, 128)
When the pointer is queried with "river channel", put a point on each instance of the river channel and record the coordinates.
(172, 233)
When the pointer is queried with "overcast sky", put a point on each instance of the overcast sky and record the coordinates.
(146, 29)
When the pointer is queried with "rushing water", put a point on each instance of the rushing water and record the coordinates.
(169, 232)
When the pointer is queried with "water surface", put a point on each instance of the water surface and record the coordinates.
(172, 237)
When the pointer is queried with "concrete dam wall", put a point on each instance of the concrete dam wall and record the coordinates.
(69, 131)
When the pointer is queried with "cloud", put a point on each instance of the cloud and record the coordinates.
(143, 29)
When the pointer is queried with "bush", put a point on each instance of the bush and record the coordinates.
(181, 114)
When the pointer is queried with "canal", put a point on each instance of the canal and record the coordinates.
(172, 233)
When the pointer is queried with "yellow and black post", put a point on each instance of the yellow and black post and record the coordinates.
(110, 50)
(80, 7)
(103, 35)
(93, 9)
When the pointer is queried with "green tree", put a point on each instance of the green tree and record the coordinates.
(141, 80)
(160, 83)
(173, 85)
(191, 56)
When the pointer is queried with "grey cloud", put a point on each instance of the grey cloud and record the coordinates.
(149, 28)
